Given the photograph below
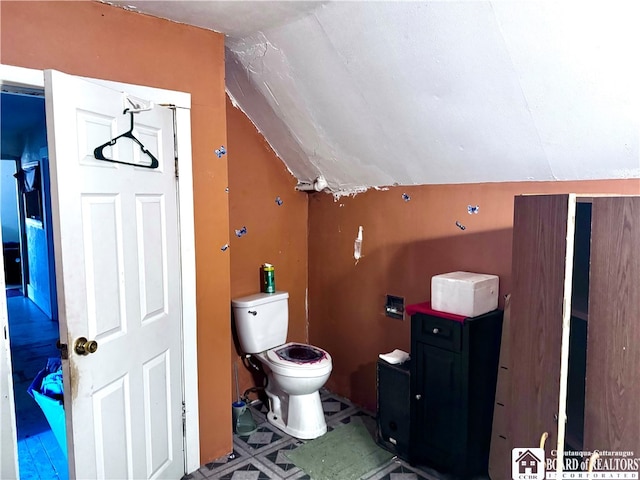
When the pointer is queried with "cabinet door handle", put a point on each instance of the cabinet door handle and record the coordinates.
(418, 397)
(436, 331)
(543, 439)
(592, 460)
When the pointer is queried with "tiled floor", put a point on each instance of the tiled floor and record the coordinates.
(260, 456)
(33, 340)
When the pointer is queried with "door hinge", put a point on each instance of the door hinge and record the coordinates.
(5, 332)
(175, 135)
(184, 418)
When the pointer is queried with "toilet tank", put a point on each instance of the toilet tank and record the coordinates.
(261, 320)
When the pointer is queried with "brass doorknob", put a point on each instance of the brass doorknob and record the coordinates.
(84, 346)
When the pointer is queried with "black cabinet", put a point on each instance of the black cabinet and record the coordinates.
(454, 370)
(394, 421)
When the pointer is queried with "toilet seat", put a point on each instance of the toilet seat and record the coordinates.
(299, 356)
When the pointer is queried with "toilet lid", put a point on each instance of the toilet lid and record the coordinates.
(299, 354)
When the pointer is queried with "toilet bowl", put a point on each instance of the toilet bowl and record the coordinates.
(293, 392)
(295, 371)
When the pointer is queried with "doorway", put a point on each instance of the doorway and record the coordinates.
(30, 286)
(84, 451)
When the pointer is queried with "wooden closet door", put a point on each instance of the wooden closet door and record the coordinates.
(612, 399)
(538, 269)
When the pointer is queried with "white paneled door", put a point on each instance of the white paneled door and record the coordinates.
(118, 278)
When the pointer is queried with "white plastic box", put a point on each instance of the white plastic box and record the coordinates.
(464, 293)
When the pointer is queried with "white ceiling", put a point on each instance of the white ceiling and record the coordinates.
(370, 94)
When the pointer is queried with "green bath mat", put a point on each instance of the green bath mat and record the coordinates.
(346, 453)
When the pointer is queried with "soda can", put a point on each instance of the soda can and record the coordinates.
(269, 278)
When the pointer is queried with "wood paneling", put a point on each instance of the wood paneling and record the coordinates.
(612, 405)
(538, 266)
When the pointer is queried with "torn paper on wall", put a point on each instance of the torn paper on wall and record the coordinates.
(357, 245)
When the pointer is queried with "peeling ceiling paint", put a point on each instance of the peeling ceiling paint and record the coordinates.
(370, 94)
(235, 18)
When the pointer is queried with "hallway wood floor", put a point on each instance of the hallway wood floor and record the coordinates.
(33, 339)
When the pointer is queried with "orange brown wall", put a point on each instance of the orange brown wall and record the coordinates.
(276, 232)
(405, 243)
(100, 41)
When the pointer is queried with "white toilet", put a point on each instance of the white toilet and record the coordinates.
(295, 371)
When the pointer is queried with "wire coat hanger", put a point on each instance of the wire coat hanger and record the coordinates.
(99, 155)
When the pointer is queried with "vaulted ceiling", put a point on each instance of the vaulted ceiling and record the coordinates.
(372, 94)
